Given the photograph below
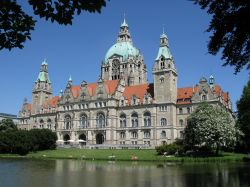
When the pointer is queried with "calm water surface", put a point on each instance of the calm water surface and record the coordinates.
(62, 173)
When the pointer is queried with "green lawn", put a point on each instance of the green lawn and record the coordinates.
(122, 155)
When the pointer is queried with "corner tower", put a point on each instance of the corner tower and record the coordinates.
(165, 74)
(124, 61)
(42, 90)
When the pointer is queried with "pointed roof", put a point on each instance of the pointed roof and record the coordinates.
(70, 79)
(45, 62)
(164, 48)
(124, 23)
(43, 75)
(109, 85)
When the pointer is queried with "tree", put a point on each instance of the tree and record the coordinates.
(22, 141)
(230, 30)
(16, 25)
(7, 124)
(212, 127)
(243, 106)
(43, 139)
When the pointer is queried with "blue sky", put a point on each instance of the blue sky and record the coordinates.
(78, 50)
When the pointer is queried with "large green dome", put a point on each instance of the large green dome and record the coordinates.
(123, 49)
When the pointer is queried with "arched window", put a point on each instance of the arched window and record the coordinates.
(163, 134)
(161, 79)
(188, 110)
(134, 120)
(100, 120)
(162, 65)
(49, 124)
(147, 119)
(163, 122)
(181, 122)
(66, 139)
(67, 122)
(134, 135)
(41, 123)
(147, 134)
(122, 120)
(83, 121)
(146, 99)
(122, 135)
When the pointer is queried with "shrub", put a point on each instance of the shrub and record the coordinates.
(43, 139)
(22, 141)
(170, 149)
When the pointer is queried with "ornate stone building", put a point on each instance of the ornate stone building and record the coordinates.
(121, 108)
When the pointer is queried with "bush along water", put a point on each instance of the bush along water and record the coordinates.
(22, 141)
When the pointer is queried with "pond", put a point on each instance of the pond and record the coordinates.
(76, 173)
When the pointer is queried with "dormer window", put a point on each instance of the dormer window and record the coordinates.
(134, 100)
(122, 102)
(83, 96)
(180, 111)
(99, 94)
(204, 97)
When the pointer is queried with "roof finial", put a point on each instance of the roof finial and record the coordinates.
(44, 62)
(70, 79)
(61, 93)
(124, 24)
(163, 35)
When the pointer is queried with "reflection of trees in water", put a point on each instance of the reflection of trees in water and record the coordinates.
(224, 174)
(91, 173)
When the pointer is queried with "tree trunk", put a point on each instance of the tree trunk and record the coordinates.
(217, 149)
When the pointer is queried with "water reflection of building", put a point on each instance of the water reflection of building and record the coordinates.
(124, 174)
(121, 108)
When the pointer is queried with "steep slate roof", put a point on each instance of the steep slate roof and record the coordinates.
(110, 87)
(185, 94)
(52, 102)
(139, 91)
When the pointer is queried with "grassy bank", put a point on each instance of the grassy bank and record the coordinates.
(122, 155)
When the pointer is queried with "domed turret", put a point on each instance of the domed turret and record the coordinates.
(122, 58)
(123, 49)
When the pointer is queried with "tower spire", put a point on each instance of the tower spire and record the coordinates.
(42, 90)
(124, 35)
(124, 23)
(164, 47)
(43, 74)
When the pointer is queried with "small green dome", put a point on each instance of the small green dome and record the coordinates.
(123, 49)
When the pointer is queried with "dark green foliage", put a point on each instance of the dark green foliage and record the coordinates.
(243, 123)
(15, 141)
(230, 30)
(170, 149)
(16, 25)
(63, 11)
(42, 139)
(22, 141)
(7, 124)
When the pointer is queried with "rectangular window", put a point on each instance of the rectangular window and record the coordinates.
(180, 111)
